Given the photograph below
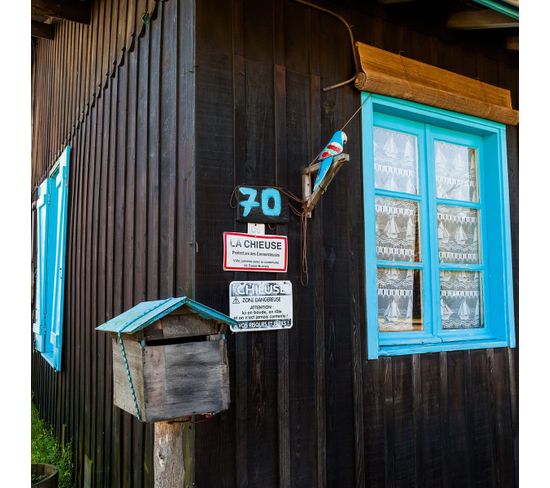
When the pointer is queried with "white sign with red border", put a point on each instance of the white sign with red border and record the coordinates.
(252, 252)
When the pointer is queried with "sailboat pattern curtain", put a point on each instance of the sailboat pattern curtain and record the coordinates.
(397, 229)
(395, 160)
(398, 223)
(460, 300)
(399, 302)
(456, 170)
(458, 235)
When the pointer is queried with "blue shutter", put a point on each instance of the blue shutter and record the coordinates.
(61, 182)
(39, 326)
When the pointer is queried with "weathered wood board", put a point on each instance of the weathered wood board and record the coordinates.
(398, 76)
(172, 381)
(185, 379)
(122, 394)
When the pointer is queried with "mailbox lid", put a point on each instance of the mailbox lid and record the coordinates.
(145, 313)
(140, 316)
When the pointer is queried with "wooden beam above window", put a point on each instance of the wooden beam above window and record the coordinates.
(396, 76)
(480, 19)
(74, 10)
(44, 31)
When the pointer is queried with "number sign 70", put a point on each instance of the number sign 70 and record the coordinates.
(261, 204)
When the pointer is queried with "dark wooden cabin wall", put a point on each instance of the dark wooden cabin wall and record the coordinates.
(118, 92)
(70, 72)
(308, 409)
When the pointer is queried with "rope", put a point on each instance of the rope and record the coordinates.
(304, 272)
(130, 382)
(356, 112)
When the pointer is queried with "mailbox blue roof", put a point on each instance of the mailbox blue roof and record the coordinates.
(145, 313)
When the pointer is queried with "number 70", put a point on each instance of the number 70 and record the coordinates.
(270, 198)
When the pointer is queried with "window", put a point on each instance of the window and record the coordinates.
(51, 229)
(437, 230)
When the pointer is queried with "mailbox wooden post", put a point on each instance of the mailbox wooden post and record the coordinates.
(169, 363)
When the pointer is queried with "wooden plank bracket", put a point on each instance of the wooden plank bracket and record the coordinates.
(310, 197)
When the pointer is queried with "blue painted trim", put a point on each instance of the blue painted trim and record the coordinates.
(403, 350)
(380, 192)
(427, 114)
(382, 263)
(61, 181)
(460, 267)
(156, 313)
(411, 337)
(457, 203)
(209, 313)
(507, 243)
(370, 223)
(448, 335)
(39, 326)
(51, 252)
(503, 8)
(490, 139)
(435, 270)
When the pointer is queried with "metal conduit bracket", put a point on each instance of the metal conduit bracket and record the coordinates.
(352, 40)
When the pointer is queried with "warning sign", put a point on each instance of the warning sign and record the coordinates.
(260, 305)
(252, 252)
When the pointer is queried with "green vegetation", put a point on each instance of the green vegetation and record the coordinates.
(45, 449)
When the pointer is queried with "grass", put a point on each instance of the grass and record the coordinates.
(45, 449)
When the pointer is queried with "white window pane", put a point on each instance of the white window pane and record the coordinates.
(458, 234)
(399, 300)
(397, 230)
(461, 300)
(456, 171)
(395, 161)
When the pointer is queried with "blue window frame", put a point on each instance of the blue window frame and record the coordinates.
(51, 231)
(437, 230)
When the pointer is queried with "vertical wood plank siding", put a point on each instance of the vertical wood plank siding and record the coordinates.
(165, 118)
(111, 89)
(425, 420)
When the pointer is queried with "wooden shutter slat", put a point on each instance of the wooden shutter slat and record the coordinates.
(40, 290)
(61, 182)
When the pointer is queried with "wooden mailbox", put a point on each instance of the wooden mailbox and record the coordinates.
(170, 359)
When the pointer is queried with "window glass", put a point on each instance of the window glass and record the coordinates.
(395, 160)
(437, 230)
(456, 171)
(458, 234)
(461, 300)
(399, 300)
(397, 232)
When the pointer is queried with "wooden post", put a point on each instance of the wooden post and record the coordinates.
(168, 454)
